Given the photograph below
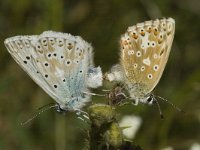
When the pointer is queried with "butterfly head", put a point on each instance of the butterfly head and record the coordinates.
(144, 99)
(138, 93)
(150, 99)
(59, 109)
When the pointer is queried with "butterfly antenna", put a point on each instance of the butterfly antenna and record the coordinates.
(159, 109)
(41, 110)
(173, 105)
(42, 107)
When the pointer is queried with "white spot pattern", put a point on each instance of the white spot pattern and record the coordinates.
(135, 65)
(138, 54)
(142, 68)
(155, 56)
(153, 44)
(147, 61)
(149, 76)
(131, 52)
(155, 67)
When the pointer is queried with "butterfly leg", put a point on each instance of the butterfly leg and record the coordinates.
(104, 90)
(79, 112)
(94, 94)
(82, 115)
(122, 95)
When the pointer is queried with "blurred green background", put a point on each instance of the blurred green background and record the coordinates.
(100, 22)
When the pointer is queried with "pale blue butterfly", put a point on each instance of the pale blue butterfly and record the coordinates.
(61, 64)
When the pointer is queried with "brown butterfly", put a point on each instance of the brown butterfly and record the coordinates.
(144, 52)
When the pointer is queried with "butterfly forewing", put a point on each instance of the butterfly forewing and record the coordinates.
(145, 48)
(21, 49)
(57, 62)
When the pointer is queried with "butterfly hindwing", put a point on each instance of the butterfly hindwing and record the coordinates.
(145, 48)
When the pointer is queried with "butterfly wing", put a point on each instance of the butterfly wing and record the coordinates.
(58, 62)
(145, 49)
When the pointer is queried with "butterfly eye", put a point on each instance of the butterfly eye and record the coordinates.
(149, 99)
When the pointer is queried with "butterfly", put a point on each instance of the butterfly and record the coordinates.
(60, 63)
(144, 51)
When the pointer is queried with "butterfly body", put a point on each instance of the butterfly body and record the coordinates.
(145, 49)
(59, 63)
